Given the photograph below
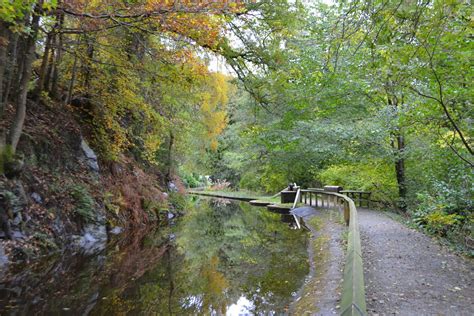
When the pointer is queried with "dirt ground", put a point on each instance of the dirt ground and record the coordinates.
(408, 273)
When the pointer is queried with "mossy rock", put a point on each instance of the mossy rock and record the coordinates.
(260, 202)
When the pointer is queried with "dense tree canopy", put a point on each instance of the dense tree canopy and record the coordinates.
(373, 95)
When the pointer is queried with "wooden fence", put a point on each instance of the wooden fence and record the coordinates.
(353, 293)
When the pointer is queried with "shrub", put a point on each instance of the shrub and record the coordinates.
(220, 185)
(6, 155)
(178, 201)
(250, 181)
(375, 176)
(273, 181)
(84, 203)
(446, 212)
(191, 181)
(112, 203)
(440, 223)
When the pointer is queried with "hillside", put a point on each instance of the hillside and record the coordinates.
(63, 195)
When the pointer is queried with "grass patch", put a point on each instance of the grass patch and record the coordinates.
(238, 194)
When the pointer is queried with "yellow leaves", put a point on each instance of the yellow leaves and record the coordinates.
(140, 93)
(121, 108)
(152, 144)
(205, 29)
(219, 82)
(153, 5)
(213, 107)
(450, 138)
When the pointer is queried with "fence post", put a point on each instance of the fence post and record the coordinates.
(347, 213)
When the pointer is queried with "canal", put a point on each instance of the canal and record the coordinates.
(220, 258)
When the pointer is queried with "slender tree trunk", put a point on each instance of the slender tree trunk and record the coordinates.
(20, 65)
(12, 68)
(71, 83)
(3, 82)
(58, 56)
(87, 70)
(17, 126)
(170, 158)
(3, 62)
(398, 144)
(44, 63)
(49, 69)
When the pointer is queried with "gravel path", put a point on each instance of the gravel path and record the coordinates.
(408, 273)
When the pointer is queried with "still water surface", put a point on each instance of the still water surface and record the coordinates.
(221, 258)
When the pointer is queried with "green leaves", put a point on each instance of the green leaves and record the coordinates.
(10, 11)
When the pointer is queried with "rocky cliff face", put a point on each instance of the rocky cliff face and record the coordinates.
(60, 194)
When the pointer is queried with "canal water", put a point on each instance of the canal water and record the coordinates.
(220, 258)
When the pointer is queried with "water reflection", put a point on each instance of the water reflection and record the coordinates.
(219, 259)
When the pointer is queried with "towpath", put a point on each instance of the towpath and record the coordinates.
(408, 273)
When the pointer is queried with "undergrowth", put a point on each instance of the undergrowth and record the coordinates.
(84, 202)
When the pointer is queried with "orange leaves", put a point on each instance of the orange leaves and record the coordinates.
(196, 6)
(204, 29)
(200, 21)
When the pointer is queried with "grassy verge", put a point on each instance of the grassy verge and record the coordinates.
(242, 195)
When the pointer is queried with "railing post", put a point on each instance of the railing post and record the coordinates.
(347, 213)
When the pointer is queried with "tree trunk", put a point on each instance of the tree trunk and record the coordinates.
(12, 68)
(398, 145)
(20, 63)
(3, 62)
(44, 63)
(87, 70)
(49, 69)
(58, 56)
(17, 126)
(71, 83)
(170, 158)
